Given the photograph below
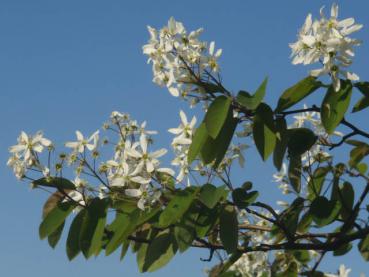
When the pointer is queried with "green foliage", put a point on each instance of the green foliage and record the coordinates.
(300, 140)
(92, 227)
(315, 184)
(264, 131)
(73, 241)
(294, 172)
(281, 142)
(242, 198)
(216, 115)
(335, 105)
(55, 218)
(251, 102)
(177, 206)
(198, 141)
(54, 237)
(210, 195)
(297, 92)
(54, 182)
(229, 228)
(324, 211)
(358, 153)
(363, 247)
(213, 150)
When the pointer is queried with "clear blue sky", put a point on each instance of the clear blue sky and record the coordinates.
(65, 65)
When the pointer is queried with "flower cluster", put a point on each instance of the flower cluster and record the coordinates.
(134, 171)
(181, 143)
(25, 154)
(180, 61)
(326, 40)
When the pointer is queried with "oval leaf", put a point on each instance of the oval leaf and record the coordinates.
(229, 229)
(55, 218)
(216, 115)
(335, 105)
(297, 92)
(264, 131)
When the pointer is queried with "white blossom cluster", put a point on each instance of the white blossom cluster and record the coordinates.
(25, 155)
(134, 170)
(327, 41)
(180, 144)
(180, 60)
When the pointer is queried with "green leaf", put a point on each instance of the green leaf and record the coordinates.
(364, 101)
(305, 222)
(177, 206)
(361, 104)
(49, 205)
(294, 172)
(198, 141)
(184, 235)
(335, 105)
(160, 251)
(358, 153)
(324, 211)
(243, 198)
(73, 247)
(364, 248)
(185, 230)
(303, 256)
(252, 102)
(121, 227)
(92, 228)
(362, 168)
(342, 250)
(290, 216)
(54, 182)
(363, 87)
(300, 140)
(206, 220)
(55, 218)
(297, 92)
(229, 228)
(210, 195)
(54, 237)
(217, 115)
(124, 224)
(215, 149)
(124, 250)
(347, 197)
(281, 142)
(315, 183)
(264, 130)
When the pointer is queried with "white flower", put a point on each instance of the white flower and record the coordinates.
(342, 272)
(281, 175)
(28, 145)
(18, 165)
(213, 57)
(184, 130)
(145, 196)
(146, 160)
(125, 177)
(82, 143)
(310, 117)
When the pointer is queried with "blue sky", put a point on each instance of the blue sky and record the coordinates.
(65, 65)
